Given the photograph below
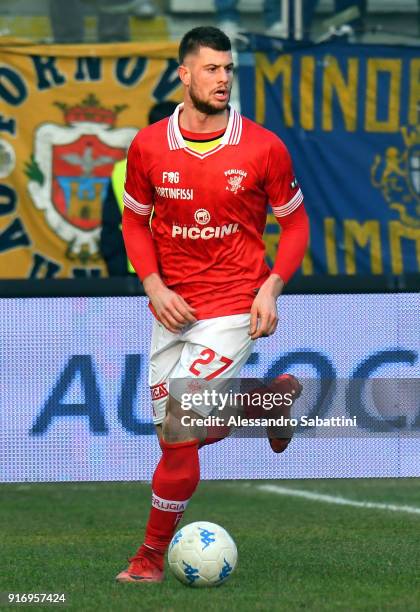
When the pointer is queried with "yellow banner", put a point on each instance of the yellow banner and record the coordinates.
(67, 114)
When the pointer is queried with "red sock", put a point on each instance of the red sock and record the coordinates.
(174, 481)
(208, 441)
(215, 434)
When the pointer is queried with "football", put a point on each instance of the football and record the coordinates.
(202, 554)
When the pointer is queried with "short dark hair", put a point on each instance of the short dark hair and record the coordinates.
(161, 110)
(203, 36)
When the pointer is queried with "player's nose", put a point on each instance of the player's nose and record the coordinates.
(224, 76)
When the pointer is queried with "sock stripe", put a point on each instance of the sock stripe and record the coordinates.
(176, 476)
(168, 505)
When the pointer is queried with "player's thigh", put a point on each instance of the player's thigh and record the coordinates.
(214, 353)
(217, 348)
(165, 353)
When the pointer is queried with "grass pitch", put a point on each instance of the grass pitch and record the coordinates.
(294, 553)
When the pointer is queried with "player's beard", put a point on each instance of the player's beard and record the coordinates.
(207, 108)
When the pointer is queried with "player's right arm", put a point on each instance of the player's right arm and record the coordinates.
(171, 309)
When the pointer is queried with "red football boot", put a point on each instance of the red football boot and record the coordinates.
(143, 569)
(280, 438)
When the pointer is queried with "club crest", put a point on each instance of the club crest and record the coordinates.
(69, 172)
(234, 179)
(397, 175)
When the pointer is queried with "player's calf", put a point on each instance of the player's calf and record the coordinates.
(174, 482)
(280, 437)
(289, 389)
(180, 425)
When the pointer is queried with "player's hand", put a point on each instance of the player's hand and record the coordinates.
(172, 310)
(264, 317)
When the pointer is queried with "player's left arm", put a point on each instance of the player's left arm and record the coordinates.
(287, 203)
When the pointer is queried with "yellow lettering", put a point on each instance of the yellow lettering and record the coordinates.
(391, 123)
(334, 82)
(330, 245)
(264, 70)
(307, 93)
(271, 238)
(398, 231)
(307, 263)
(361, 234)
(414, 103)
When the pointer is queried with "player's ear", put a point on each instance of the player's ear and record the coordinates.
(184, 74)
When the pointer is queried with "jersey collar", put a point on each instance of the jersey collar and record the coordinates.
(232, 136)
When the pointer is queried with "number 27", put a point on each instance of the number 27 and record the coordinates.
(207, 357)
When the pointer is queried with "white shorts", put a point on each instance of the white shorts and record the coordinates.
(210, 349)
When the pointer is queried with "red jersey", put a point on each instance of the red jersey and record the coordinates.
(210, 209)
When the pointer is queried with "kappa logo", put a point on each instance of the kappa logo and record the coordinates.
(234, 179)
(69, 172)
(226, 570)
(195, 386)
(175, 539)
(202, 216)
(207, 537)
(191, 573)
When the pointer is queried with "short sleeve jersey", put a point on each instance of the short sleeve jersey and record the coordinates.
(210, 210)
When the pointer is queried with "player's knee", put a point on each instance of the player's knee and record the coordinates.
(179, 427)
(170, 429)
(158, 429)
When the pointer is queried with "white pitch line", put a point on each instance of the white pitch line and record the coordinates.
(332, 499)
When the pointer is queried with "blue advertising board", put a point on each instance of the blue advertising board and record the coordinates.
(75, 404)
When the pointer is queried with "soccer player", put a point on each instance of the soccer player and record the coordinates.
(208, 174)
